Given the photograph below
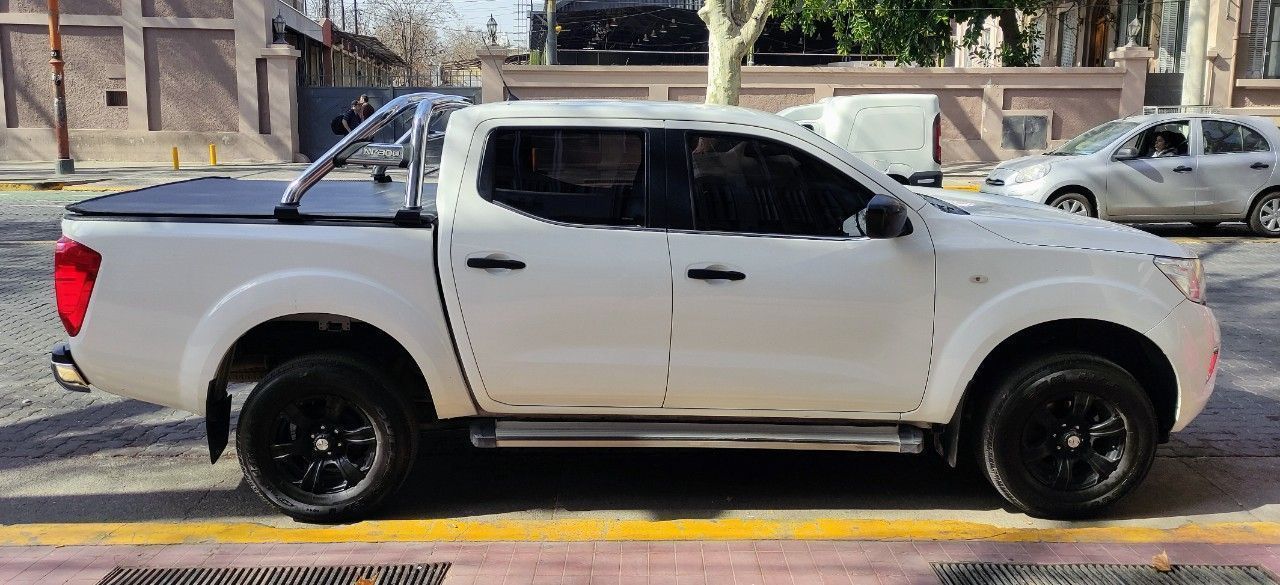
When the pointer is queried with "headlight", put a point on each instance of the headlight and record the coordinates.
(1185, 273)
(1031, 173)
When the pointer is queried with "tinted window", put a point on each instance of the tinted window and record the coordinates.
(593, 177)
(1226, 137)
(748, 185)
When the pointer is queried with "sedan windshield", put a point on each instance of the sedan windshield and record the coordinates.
(1095, 139)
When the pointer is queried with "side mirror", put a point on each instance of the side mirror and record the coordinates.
(1126, 153)
(885, 217)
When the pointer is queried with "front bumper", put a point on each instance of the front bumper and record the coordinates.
(1033, 191)
(1190, 338)
(65, 371)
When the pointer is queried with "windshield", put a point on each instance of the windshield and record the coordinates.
(1095, 139)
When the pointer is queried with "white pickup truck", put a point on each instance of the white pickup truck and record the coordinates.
(605, 274)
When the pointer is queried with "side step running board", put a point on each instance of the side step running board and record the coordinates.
(883, 438)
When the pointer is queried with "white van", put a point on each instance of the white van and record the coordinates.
(897, 133)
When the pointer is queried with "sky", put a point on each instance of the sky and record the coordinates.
(475, 14)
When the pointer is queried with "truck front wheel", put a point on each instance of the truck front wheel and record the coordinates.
(326, 437)
(1067, 435)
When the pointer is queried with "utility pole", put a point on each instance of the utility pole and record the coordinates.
(551, 58)
(355, 13)
(65, 165)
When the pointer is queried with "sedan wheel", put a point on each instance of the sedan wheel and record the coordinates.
(1073, 203)
(1265, 219)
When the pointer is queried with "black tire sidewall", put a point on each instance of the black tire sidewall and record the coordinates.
(364, 387)
(1046, 379)
(1255, 217)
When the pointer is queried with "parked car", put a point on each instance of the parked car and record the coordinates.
(898, 134)
(1209, 169)
(609, 274)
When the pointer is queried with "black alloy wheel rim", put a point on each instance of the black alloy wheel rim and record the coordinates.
(323, 445)
(1074, 442)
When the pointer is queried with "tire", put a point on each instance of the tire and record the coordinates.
(1073, 203)
(343, 435)
(1206, 225)
(1264, 218)
(1024, 451)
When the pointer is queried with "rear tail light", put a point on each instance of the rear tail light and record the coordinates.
(75, 268)
(937, 138)
(1213, 364)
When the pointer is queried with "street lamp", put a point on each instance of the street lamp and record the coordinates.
(492, 27)
(1134, 28)
(277, 29)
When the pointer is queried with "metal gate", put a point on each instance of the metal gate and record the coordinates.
(317, 107)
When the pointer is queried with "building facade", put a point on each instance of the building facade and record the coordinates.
(144, 76)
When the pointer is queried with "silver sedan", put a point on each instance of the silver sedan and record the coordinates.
(1200, 168)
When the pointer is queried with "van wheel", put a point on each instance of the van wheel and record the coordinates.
(1068, 435)
(1073, 203)
(326, 437)
(1265, 218)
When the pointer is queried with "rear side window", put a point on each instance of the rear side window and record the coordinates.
(748, 185)
(1227, 137)
(581, 176)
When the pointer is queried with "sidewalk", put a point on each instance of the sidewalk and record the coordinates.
(622, 563)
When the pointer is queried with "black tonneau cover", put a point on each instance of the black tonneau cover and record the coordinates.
(221, 197)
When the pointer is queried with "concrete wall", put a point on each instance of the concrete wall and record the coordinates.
(194, 72)
(974, 100)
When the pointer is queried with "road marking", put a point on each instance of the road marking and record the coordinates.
(158, 533)
(961, 187)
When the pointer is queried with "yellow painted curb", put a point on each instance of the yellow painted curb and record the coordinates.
(91, 187)
(961, 188)
(158, 533)
(30, 186)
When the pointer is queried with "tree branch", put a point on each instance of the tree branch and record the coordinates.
(755, 23)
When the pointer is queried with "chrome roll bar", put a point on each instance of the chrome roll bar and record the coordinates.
(423, 104)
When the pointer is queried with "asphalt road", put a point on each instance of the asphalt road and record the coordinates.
(67, 457)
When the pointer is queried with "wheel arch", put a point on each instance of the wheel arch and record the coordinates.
(1128, 348)
(1075, 188)
(1257, 197)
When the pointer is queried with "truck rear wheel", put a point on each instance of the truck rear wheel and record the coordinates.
(326, 437)
(1067, 435)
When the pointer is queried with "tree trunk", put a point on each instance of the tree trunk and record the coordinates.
(724, 71)
(1014, 53)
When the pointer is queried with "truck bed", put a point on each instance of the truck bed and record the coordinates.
(226, 198)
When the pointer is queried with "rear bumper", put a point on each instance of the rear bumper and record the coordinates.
(1190, 338)
(65, 370)
(925, 179)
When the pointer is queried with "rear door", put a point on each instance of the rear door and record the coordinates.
(1157, 183)
(1237, 162)
(564, 289)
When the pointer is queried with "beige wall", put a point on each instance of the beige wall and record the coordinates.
(187, 8)
(973, 100)
(180, 100)
(196, 72)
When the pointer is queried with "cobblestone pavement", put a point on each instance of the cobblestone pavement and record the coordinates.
(40, 420)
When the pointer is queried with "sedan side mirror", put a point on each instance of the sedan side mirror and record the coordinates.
(1126, 153)
(885, 217)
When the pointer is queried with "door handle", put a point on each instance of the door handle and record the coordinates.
(1182, 169)
(1259, 165)
(713, 274)
(490, 263)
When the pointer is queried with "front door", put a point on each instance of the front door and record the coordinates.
(565, 292)
(1162, 181)
(779, 302)
(1237, 162)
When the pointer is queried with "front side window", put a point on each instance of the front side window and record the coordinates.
(1165, 140)
(580, 176)
(1227, 137)
(749, 185)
